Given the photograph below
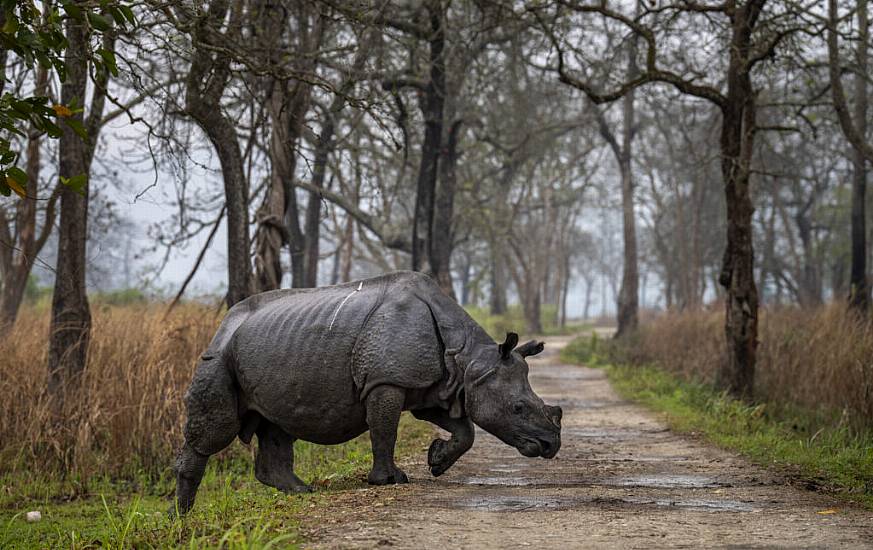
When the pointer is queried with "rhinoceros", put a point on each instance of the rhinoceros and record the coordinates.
(327, 364)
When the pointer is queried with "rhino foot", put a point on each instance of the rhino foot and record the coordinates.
(438, 457)
(297, 489)
(387, 478)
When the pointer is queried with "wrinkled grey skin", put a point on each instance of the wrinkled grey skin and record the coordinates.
(327, 364)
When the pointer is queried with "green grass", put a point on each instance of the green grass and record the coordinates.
(826, 457)
(233, 510)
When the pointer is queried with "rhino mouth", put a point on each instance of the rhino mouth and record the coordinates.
(532, 448)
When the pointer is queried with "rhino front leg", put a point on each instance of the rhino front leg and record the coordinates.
(384, 405)
(274, 462)
(442, 454)
(189, 469)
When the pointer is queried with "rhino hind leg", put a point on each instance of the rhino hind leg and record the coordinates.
(443, 454)
(384, 406)
(274, 462)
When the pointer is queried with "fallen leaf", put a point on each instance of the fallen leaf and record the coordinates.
(827, 512)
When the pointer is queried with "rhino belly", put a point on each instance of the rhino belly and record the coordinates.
(297, 375)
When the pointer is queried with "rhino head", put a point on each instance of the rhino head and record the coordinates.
(500, 400)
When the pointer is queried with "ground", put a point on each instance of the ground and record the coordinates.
(621, 479)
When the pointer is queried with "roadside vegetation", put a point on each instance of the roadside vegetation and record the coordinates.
(103, 476)
(807, 418)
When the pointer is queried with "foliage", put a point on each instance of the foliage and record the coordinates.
(37, 37)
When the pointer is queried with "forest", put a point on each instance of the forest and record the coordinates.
(691, 174)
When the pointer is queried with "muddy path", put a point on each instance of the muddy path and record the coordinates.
(621, 480)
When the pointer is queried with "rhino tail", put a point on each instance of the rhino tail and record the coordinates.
(250, 422)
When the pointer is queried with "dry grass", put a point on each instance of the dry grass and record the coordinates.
(819, 360)
(127, 415)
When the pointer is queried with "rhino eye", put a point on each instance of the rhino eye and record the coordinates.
(518, 407)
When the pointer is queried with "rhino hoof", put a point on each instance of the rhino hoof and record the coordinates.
(398, 476)
(437, 457)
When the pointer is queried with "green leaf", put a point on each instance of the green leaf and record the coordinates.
(77, 127)
(17, 174)
(128, 13)
(73, 10)
(117, 15)
(11, 25)
(76, 183)
(99, 22)
(108, 60)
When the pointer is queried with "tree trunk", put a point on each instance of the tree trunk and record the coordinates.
(628, 296)
(737, 273)
(531, 305)
(312, 226)
(586, 310)
(17, 266)
(207, 79)
(323, 149)
(498, 282)
(859, 293)
(443, 243)
(69, 332)
(432, 109)
(565, 289)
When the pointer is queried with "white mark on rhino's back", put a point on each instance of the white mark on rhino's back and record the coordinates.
(346, 299)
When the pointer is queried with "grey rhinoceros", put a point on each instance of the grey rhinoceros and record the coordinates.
(326, 364)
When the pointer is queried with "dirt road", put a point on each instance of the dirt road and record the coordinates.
(621, 480)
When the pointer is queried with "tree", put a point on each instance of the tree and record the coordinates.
(206, 81)
(854, 127)
(749, 43)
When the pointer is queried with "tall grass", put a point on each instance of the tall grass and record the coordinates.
(818, 360)
(126, 415)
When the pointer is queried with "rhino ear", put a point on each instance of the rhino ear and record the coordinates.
(531, 348)
(509, 345)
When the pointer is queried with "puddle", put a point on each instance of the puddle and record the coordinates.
(521, 503)
(704, 505)
(569, 404)
(564, 374)
(514, 503)
(508, 481)
(600, 433)
(666, 482)
(633, 458)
